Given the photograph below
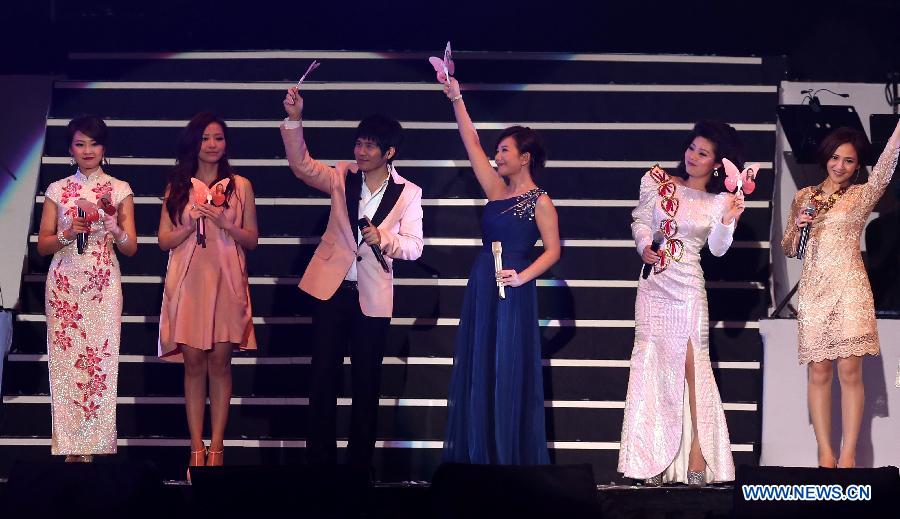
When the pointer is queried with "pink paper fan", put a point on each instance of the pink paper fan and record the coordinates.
(91, 213)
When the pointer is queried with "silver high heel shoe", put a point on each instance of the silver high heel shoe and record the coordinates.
(696, 479)
(655, 481)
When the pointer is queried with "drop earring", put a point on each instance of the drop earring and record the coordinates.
(715, 172)
(71, 161)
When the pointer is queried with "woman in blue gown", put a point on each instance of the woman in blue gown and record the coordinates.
(496, 400)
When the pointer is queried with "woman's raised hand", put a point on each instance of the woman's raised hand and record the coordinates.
(293, 104)
(451, 89)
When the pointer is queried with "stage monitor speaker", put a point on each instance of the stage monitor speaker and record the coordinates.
(99, 489)
(270, 491)
(806, 127)
(848, 493)
(462, 490)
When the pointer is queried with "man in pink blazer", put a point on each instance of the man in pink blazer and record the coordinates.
(353, 288)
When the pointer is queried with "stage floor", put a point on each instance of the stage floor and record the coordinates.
(409, 501)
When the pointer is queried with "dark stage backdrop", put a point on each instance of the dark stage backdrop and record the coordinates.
(605, 118)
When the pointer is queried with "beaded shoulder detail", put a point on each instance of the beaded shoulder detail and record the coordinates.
(525, 203)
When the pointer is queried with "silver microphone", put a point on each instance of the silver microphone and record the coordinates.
(497, 249)
(809, 210)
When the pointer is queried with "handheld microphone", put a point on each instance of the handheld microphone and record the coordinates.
(809, 210)
(657, 243)
(201, 226)
(201, 232)
(497, 250)
(81, 237)
(376, 250)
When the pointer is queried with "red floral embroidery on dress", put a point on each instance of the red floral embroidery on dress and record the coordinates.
(64, 311)
(95, 386)
(67, 313)
(101, 253)
(62, 339)
(90, 409)
(71, 190)
(89, 363)
(98, 279)
(62, 282)
(103, 189)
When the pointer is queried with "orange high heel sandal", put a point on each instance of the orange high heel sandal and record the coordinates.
(198, 459)
(215, 458)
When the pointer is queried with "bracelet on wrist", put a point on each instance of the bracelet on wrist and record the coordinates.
(123, 240)
(455, 98)
(60, 235)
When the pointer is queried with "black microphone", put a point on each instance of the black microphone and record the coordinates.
(376, 250)
(81, 237)
(810, 210)
(657, 243)
(201, 232)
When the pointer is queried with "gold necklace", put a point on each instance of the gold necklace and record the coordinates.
(824, 202)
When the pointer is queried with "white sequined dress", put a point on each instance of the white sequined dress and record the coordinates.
(670, 313)
(83, 300)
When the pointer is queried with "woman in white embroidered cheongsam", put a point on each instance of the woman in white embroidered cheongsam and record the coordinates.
(84, 294)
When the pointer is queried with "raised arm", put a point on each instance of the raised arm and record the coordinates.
(487, 176)
(315, 174)
(882, 172)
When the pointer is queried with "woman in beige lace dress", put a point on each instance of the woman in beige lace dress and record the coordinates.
(836, 314)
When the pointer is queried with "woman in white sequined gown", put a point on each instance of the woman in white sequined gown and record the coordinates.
(84, 296)
(674, 426)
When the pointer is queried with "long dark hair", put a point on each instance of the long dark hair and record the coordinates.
(728, 145)
(527, 141)
(186, 164)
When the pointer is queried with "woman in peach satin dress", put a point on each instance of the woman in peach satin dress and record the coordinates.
(206, 300)
(836, 313)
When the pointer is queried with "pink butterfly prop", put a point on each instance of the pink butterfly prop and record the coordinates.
(443, 67)
(312, 66)
(745, 181)
(91, 214)
(106, 204)
(214, 195)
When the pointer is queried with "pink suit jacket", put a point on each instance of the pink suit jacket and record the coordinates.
(398, 219)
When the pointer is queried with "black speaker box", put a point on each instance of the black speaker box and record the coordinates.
(280, 491)
(56, 489)
(460, 490)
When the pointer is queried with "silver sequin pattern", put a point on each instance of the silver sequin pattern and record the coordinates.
(84, 307)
